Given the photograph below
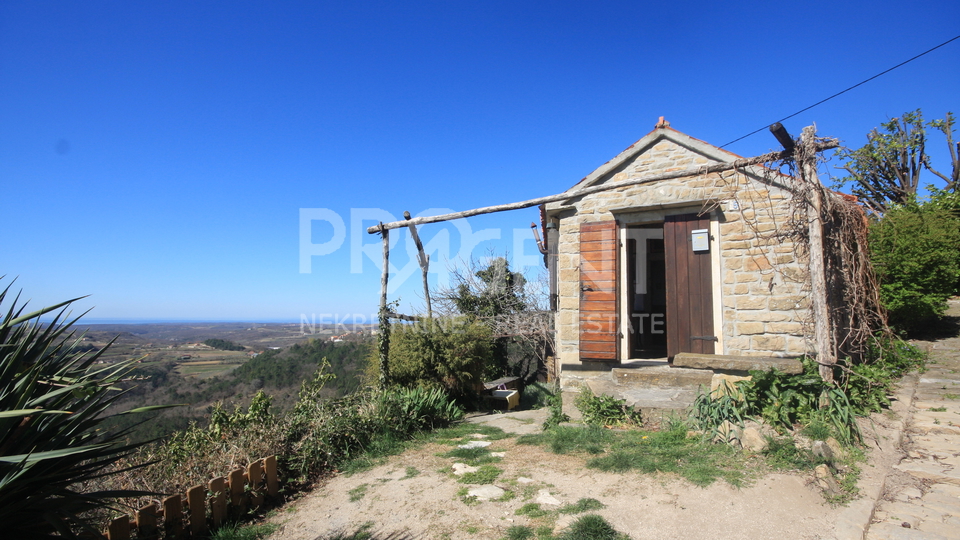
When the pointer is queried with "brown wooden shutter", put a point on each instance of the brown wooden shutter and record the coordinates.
(689, 287)
(599, 321)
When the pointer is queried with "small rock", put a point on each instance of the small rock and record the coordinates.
(826, 481)
(752, 440)
(525, 480)
(485, 492)
(544, 497)
(838, 452)
(460, 469)
(905, 525)
(823, 450)
(475, 444)
(478, 435)
(498, 454)
(914, 454)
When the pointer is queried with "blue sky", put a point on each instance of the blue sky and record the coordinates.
(156, 156)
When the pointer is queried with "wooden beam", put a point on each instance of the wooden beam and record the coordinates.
(383, 336)
(402, 317)
(784, 138)
(424, 261)
(693, 171)
(807, 159)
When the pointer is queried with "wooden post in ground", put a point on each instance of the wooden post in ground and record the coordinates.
(807, 162)
(424, 260)
(218, 501)
(270, 471)
(196, 500)
(173, 517)
(255, 477)
(383, 341)
(119, 528)
(238, 499)
(147, 522)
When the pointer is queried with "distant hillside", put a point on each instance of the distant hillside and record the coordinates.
(279, 372)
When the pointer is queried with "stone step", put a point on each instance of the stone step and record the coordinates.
(661, 376)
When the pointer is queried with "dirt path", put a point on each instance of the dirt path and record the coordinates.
(415, 496)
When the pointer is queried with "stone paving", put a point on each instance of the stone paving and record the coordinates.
(924, 502)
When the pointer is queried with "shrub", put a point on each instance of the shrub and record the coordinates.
(53, 398)
(448, 353)
(605, 410)
(915, 250)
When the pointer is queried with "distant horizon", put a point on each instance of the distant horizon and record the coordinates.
(108, 321)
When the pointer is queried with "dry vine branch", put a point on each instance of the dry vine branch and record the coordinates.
(853, 293)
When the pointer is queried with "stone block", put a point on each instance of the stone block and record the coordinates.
(787, 303)
(751, 302)
(736, 363)
(750, 328)
(733, 263)
(768, 343)
(793, 328)
(757, 263)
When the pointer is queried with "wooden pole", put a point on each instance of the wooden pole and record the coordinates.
(693, 171)
(807, 160)
(424, 261)
(383, 341)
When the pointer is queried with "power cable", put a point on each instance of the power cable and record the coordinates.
(843, 91)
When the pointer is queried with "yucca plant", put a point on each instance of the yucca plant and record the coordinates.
(52, 437)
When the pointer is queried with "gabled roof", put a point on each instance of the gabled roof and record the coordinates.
(662, 131)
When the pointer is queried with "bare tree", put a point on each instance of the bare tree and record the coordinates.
(887, 169)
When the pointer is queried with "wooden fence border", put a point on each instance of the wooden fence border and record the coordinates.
(207, 507)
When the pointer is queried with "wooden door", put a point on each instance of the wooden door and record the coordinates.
(689, 287)
(599, 301)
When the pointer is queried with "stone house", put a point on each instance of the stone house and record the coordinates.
(689, 265)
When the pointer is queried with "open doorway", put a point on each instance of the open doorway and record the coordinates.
(645, 304)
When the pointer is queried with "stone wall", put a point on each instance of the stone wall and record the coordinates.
(763, 305)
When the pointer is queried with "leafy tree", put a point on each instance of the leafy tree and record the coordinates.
(494, 295)
(915, 250)
(498, 291)
(886, 171)
(52, 436)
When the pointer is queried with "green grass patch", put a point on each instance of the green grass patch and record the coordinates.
(519, 532)
(567, 440)
(464, 495)
(410, 473)
(531, 510)
(486, 474)
(472, 456)
(591, 527)
(783, 453)
(937, 409)
(460, 433)
(377, 451)
(951, 396)
(358, 492)
(581, 506)
(241, 532)
(670, 451)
